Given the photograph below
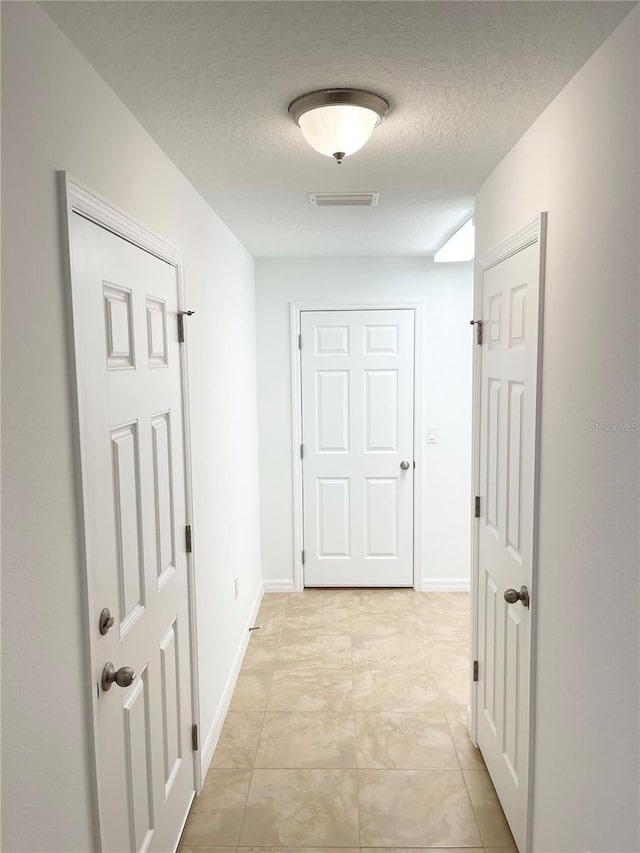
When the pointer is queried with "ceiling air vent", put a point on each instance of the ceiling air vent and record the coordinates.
(344, 199)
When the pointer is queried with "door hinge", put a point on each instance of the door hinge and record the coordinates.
(476, 507)
(302, 451)
(194, 737)
(303, 556)
(475, 670)
(181, 316)
(478, 324)
(188, 539)
(299, 341)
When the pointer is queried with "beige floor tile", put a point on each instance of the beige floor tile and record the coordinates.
(380, 600)
(453, 687)
(238, 740)
(404, 741)
(491, 820)
(251, 690)
(272, 604)
(301, 807)
(398, 651)
(268, 627)
(394, 690)
(262, 653)
(317, 599)
(446, 655)
(275, 598)
(216, 814)
(499, 850)
(307, 740)
(456, 626)
(400, 660)
(469, 756)
(444, 603)
(390, 624)
(301, 850)
(309, 690)
(316, 621)
(415, 808)
(206, 849)
(320, 651)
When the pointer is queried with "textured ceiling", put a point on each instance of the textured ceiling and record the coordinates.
(211, 82)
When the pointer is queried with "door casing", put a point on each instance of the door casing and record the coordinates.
(533, 233)
(418, 306)
(76, 198)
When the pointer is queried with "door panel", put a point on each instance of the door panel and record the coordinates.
(508, 400)
(357, 419)
(381, 411)
(334, 526)
(125, 305)
(128, 524)
(139, 764)
(332, 411)
(381, 517)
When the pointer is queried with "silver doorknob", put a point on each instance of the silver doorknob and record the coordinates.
(511, 596)
(123, 677)
(405, 465)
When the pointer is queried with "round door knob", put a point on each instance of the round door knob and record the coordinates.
(405, 465)
(512, 596)
(123, 677)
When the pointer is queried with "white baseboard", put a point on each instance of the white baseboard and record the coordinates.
(211, 740)
(446, 584)
(428, 585)
(284, 585)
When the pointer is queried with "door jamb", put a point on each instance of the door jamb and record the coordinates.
(418, 307)
(534, 232)
(75, 197)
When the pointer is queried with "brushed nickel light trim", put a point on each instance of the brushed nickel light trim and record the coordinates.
(349, 130)
(334, 97)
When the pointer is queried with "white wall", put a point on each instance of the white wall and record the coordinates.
(58, 114)
(447, 293)
(579, 161)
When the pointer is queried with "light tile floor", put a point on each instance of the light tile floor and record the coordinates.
(346, 730)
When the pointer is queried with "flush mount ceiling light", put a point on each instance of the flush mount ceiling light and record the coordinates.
(338, 122)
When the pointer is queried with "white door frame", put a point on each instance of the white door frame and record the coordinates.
(534, 232)
(77, 198)
(418, 306)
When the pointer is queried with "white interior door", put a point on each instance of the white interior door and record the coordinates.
(125, 304)
(508, 411)
(357, 427)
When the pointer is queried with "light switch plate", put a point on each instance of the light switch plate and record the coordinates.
(432, 435)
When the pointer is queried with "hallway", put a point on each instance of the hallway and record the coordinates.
(346, 729)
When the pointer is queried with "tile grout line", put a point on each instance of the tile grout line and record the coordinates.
(473, 809)
(264, 712)
(446, 717)
(355, 731)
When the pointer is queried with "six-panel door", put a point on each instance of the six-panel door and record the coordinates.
(357, 423)
(510, 309)
(133, 468)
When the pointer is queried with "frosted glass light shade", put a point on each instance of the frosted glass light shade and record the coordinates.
(337, 122)
(338, 128)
